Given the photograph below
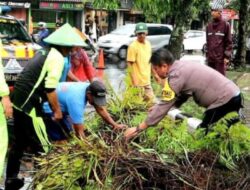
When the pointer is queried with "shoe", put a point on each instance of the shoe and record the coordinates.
(14, 183)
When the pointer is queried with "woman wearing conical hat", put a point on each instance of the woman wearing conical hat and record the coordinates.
(36, 84)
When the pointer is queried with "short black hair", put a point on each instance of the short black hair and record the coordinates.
(162, 55)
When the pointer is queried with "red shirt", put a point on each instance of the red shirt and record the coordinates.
(81, 66)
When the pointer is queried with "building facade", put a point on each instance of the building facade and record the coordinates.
(21, 9)
(58, 11)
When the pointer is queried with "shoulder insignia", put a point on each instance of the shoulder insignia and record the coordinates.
(167, 93)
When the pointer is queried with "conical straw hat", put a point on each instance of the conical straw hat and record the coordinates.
(65, 36)
(84, 37)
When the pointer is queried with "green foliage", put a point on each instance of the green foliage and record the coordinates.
(103, 157)
(174, 139)
(181, 12)
(231, 143)
(234, 4)
(106, 4)
(153, 10)
(168, 137)
(64, 178)
(131, 109)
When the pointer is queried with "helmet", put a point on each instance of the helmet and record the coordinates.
(216, 5)
(65, 36)
(42, 24)
(4, 9)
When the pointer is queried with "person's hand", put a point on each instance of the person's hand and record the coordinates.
(133, 82)
(58, 115)
(7, 107)
(150, 109)
(159, 80)
(79, 131)
(130, 133)
(226, 61)
(120, 127)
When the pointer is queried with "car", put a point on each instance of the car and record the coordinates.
(17, 45)
(194, 40)
(248, 50)
(117, 41)
(248, 44)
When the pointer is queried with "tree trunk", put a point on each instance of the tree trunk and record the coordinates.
(240, 57)
(182, 20)
(176, 40)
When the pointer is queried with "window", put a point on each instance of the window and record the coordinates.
(165, 30)
(12, 30)
(153, 31)
(158, 30)
(44, 15)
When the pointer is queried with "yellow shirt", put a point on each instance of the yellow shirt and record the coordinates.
(139, 54)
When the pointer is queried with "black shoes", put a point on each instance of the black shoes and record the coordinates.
(14, 184)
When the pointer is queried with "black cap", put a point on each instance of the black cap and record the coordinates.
(58, 24)
(98, 91)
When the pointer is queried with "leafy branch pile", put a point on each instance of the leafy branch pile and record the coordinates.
(163, 157)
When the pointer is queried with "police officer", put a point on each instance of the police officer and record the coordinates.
(182, 80)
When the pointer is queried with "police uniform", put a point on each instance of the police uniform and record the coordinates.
(209, 89)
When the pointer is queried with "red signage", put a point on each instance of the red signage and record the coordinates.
(49, 5)
(229, 14)
(64, 6)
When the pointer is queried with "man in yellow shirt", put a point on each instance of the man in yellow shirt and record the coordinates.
(138, 59)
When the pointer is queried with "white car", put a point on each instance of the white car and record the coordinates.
(117, 41)
(248, 43)
(194, 40)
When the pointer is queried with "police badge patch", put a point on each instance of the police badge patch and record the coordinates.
(167, 93)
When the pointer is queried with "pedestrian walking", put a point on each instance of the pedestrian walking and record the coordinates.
(219, 40)
(208, 88)
(36, 84)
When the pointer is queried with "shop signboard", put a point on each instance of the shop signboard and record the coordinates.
(16, 4)
(63, 6)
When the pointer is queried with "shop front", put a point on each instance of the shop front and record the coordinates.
(19, 9)
(58, 11)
